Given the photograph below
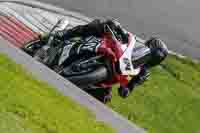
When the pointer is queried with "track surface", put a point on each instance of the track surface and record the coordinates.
(176, 21)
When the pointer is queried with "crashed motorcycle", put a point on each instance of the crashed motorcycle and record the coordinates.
(82, 69)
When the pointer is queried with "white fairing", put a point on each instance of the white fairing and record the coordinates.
(125, 62)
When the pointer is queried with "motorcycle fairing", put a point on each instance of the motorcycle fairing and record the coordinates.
(125, 60)
(79, 45)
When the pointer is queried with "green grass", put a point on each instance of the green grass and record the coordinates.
(30, 106)
(169, 102)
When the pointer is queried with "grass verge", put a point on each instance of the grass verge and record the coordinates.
(169, 102)
(30, 106)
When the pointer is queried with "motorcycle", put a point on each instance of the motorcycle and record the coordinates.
(82, 69)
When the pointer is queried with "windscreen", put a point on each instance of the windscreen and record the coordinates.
(140, 53)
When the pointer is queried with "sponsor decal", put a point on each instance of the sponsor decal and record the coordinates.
(89, 44)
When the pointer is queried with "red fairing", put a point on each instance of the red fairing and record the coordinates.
(112, 49)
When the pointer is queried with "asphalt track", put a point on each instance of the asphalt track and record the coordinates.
(175, 21)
